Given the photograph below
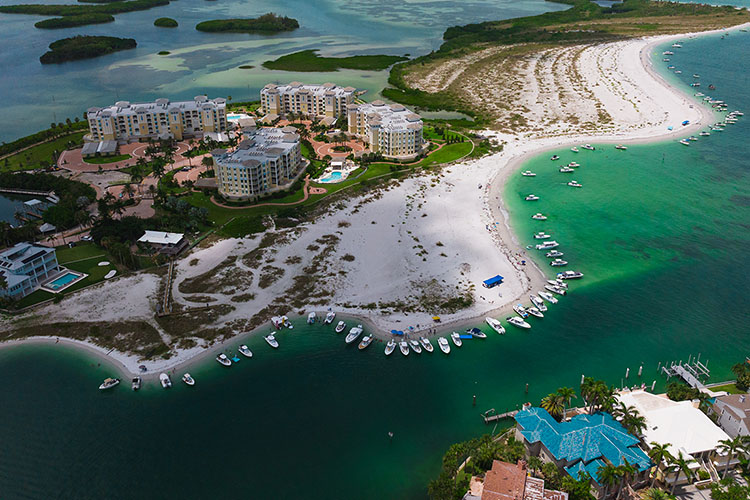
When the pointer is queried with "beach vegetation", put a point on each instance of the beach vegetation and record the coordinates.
(310, 60)
(267, 23)
(166, 22)
(84, 47)
(73, 21)
(83, 14)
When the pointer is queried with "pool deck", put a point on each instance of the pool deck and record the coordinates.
(64, 271)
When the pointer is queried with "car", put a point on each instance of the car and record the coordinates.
(87, 238)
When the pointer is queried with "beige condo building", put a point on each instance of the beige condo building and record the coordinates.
(125, 122)
(313, 100)
(391, 130)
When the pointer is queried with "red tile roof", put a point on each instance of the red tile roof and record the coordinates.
(510, 482)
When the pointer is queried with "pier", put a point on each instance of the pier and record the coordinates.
(693, 372)
(491, 415)
(28, 192)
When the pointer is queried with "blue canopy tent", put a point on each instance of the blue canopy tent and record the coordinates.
(397, 332)
(494, 281)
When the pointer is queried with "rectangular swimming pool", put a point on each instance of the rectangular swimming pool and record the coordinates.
(61, 281)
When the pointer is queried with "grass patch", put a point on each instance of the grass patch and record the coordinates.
(309, 60)
(82, 250)
(243, 226)
(730, 388)
(42, 155)
(103, 160)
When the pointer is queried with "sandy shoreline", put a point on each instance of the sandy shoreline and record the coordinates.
(677, 105)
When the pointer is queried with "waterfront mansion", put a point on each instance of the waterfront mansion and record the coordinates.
(125, 122)
(266, 160)
(391, 130)
(327, 100)
(24, 267)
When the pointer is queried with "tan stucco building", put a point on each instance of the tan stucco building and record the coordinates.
(312, 100)
(391, 130)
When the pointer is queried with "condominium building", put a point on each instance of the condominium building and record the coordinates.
(314, 100)
(24, 266)
(266, 160)
(161, 119)
(391, 130)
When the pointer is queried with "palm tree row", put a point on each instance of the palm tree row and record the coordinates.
(557, 403)
(611, 475)
(633, 421)
(597, 395)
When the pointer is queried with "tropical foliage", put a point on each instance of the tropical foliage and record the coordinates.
(266, 23)
(84, 47)
(742, 372)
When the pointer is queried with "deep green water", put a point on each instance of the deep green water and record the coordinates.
(661, 232)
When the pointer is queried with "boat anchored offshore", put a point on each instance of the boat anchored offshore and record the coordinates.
(456, 338)
(555, 289)
(589, 147)
(554, 253)
(355, 332)
(495, 325)
(684, 142)
(538, 303)
(566, 170)
(224, 360)
(531, 197)
(188, 379)
(704, 134)
(444, 345)
(389, 347)
(329, 318)
(558, 283)
(539, 216)
(340, 327)
(426, 344)
(403, 347)
(366, 340)
(558, 263)
(165, 381)
(528, 173)
(245, 351)
(311, 318)
(554, 158)
(548, 297)
(136, 383)
(521, 311)
(621, 147)
(415, 346)
(570, 275)
(476, 332)
(109, 383)
(541, 235)
(574, 184)
(517, 322)
(547, 245)
(535, 312)
(574, 164)
(271, 340)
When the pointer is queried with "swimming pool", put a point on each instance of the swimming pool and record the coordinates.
(332, 177)
(62, 281)
(237, 117)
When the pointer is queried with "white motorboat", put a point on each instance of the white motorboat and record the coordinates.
(444, 345)
(555, 289)
(476, 333)
(668, 53)
(245, 351)
(188, 379)
(535, 312)
(704, 134)
(558, 283)
(531, 197)
(277, 321)
(717, 129)
(621, 147)
(548, 297)
(554, 158)
(366, 340)
(574, 164)
(136, 383)
(415, 346)
(574, 149)
(495, 325)
(695, 84)
(528, 173)
(166, 382)
(538, 303)
(340, 327)
(521, 311)
(109, 383)
(330, 316)
(271, 340)
(558, 263)
(224, 360)
(574, 184)
(570, 275)
(554, 253)
(517, 322)
(692, 138)
(403, 347)
(389, 347)
(677, 45)
(566, 170)
(695, 75)
(285, 322)
(311, 318)
(547, 245)
(456, 338)
(541, 235)
(589, 147)
(539, 216)
(426, 344)
(678, 72)
(355, 332)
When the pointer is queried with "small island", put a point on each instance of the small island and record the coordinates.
(73, 21)
(163, 52)
(84, 47)
(80, 15)
(267, 23)
(309, 60)
(166, 22)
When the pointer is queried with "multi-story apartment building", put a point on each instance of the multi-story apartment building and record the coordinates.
(125, 122)
(391, 130)
(314, 100)
(268, 159)
(24, 266)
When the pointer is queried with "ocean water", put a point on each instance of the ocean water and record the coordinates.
(660, 231)
(34, 95)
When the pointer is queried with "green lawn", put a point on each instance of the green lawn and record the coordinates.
(309, 60)
(34, 298)
(82, 250)
(31, 158)
(91, 267)
(730, 388)
(103, 160)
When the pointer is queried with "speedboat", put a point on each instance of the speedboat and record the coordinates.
(476, 332)
(444, 345)
(109, 383)
(535, 312)
(574, 149)
(670, 67)
(574, 164)
(271, 340)
(554, 158)
(366, 340)
(547, 245)
(555, 289)
(531, 197)
(539, 216)
(704, 134)
(717, 129)
(245, 351)
(415, 346)
(528, 173)
(224, 360)
(277, 322)
(355, 332)
(621, 147)
(678, 72)
(426, 344)
(340, 327)
(166, 382)
(574, 184)
(558, 283)
(311, 318)
(495, 325)
(570, 275)
(695, 84)
(389, 347)
(517, 322)
(677, 45)
(548, 297)
(538, 303)
(541, 235)
(520, 310)
(188, 379)
(136, 383)
(692, 138)
(589, 147)
(329, 318)
(558, 263)
(285, 322)
(566, 170)
(403, 347)
(554, 253)
(695, 75)
(456, 338)
(668, 53)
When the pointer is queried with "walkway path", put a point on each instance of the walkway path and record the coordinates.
(50, 139)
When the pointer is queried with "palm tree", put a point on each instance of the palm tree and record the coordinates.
(730, 446)
(128, 190)
(635, 424)
(534, 463)
(587, 392)
(553, 403)
(567, 395)
(626, 471)
(656, 494)
(608, 476)
(659, 453)
(682, 464)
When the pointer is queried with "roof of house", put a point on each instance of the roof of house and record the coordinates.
(21, 254)
(506, 481)
(585, 438)
(680, 423)
(161, 238)
(738, 405)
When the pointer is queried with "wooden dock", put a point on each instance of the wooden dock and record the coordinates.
(693, 372)
(491, 415)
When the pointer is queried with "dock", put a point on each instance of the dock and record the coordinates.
(28, 192)
(693, 372)
(491, 415)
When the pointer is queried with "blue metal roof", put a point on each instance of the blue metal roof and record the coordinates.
(494, 280)
(584, 441)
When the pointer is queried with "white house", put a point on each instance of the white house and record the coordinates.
(733, 413)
